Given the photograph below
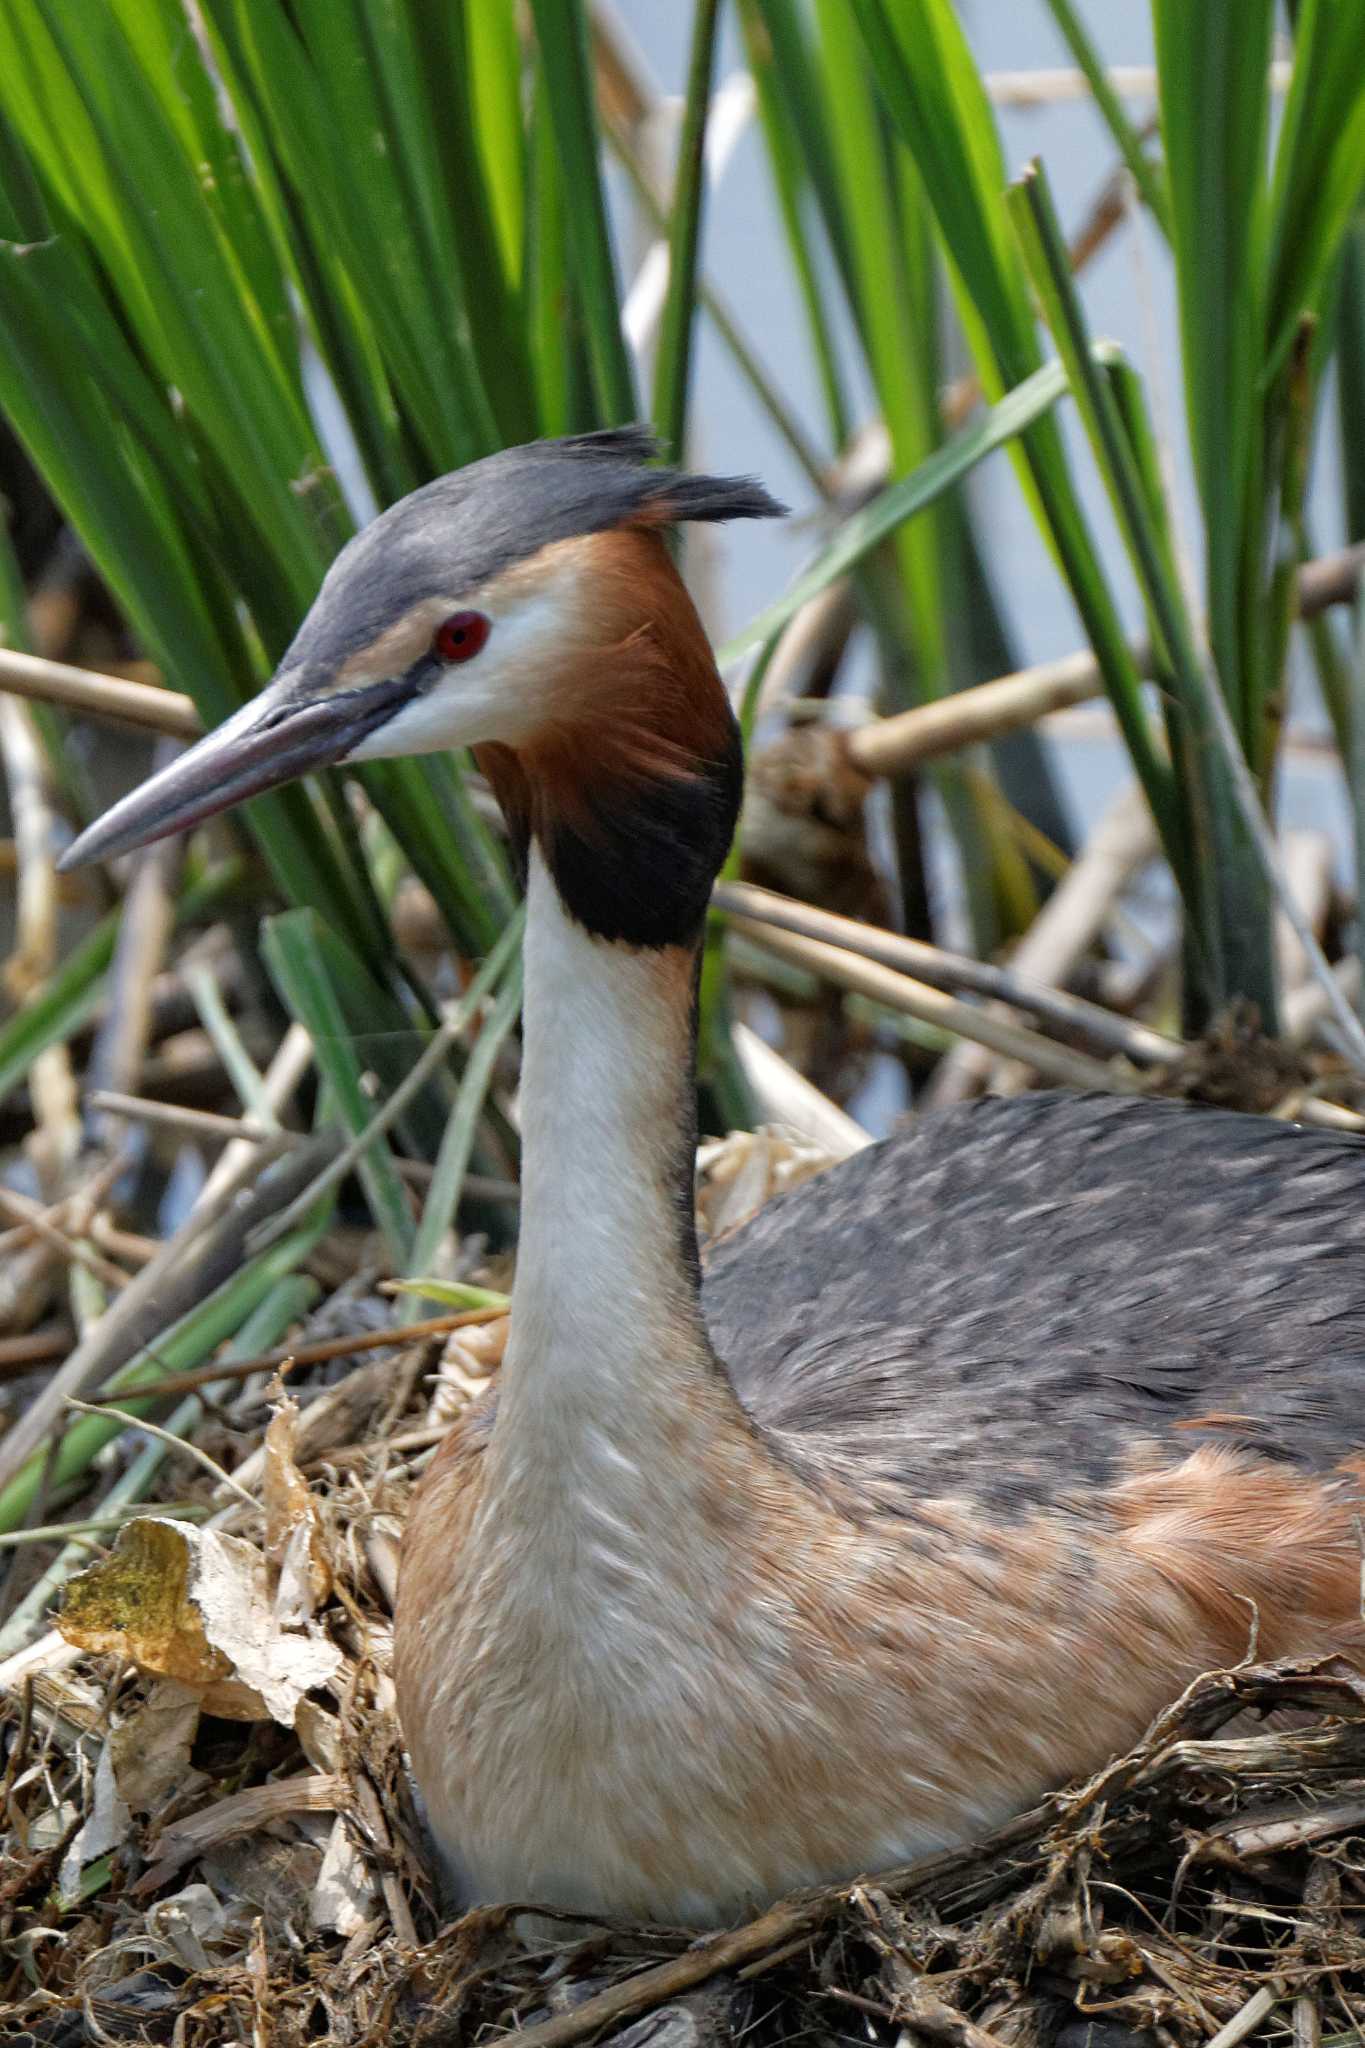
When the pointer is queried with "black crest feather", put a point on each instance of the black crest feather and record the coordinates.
(660, 496)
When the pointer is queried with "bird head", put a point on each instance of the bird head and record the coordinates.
(524, 606)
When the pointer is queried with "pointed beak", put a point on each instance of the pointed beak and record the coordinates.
(285, 732)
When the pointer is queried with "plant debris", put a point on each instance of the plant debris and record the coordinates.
(209, 1838)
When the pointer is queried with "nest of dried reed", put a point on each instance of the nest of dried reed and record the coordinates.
(206, 1834)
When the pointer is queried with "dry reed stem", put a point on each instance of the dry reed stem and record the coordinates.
(145, 928)
(241, 1158)
(1051, 86)
(176, 1443)
(890, 746)
(202, 1254)
(34, 1217)
(19, 1355)
(1066, 927)
(931, 1006)
(319, 1353)
(1102, 1029)
(782, 1923)
(99, 696)
(785, 1096)
(210, 1125)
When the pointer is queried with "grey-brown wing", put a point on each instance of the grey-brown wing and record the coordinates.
(1002, 1300)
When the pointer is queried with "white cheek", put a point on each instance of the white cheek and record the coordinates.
(500, 695)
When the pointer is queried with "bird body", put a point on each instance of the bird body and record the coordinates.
(964, 1457)
(985, 1443)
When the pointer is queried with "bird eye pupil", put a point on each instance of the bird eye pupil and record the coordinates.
(460, 636)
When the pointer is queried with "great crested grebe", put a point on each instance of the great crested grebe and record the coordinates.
(964, 1457)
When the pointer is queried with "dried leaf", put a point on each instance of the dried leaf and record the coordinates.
(294, 1540)
(151, 1747)
(194, 1605)
(190, 1922)
(103, 1828)
(319, 1732)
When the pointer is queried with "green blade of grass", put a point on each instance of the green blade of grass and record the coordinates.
(1199, 856)
(1350, 342)
(550, 310)
(897, 336)
(1148, 176)
(424, 57)
(306, 98)
(876, 521)
(1213, 72)
(495, 94)
(206, 338)
(796, 207)
(1319, 170)
(427, 806)
(566, 73)
(786, 48)
(673, 364)
(433, 1055)
(743, 354)
(925, 71)
(452, 1161)
(1246, 870)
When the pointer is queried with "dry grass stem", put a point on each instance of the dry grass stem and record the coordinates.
(175, 1443)
(206, 1251)
(320, 1353)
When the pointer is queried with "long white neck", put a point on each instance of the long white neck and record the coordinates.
(605, 1321)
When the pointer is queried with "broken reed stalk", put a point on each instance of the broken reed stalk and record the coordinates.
(99, 696)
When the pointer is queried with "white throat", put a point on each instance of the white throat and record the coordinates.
(603, 1294)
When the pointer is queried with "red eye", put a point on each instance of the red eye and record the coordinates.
(460, 636)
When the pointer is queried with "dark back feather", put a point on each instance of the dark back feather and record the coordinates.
(1005, 1301)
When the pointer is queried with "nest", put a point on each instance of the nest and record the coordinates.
(207, 1834)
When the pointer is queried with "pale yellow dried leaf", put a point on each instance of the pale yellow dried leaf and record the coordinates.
(194, 1605)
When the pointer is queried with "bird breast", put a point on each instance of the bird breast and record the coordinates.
(675, 1687)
